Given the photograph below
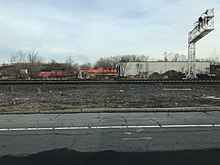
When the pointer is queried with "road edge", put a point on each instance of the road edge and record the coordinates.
(114, 110)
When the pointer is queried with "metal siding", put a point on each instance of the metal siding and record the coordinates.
(162, 67)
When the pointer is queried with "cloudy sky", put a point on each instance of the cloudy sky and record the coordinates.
(90, 29)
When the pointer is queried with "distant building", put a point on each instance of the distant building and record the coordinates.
(146, 68)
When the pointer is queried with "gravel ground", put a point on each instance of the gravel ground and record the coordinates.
(54, 97)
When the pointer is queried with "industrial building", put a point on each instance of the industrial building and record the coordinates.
(146, 68)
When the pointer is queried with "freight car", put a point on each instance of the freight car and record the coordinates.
(55, 74)
(97, 74)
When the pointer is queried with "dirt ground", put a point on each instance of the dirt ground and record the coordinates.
(54, 97)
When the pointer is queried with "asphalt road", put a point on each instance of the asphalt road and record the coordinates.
(122, 132)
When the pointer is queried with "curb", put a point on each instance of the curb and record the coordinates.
(116, 110)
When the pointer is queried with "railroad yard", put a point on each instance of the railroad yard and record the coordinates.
(40, 97)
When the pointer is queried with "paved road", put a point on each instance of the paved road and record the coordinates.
(126, 132)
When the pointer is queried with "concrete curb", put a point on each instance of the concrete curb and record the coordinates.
(116, 110)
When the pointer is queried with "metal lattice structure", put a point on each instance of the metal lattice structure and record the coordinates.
(202, 27)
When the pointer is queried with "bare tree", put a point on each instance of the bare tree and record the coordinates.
(70, 61)
(18, 58)
(174, 57)
(104, 63)
(71, 65)
(142, 58)
(53, 64)
(33, 56)
(86, 65)
(165, 54)
(17, 61)
(183, 57)
(110, 62)
(26, 65)
(35, 63)
(214, 60)
(133, 58)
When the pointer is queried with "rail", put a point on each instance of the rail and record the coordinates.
(25, 82)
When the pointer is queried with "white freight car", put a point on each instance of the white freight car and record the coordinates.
(148, 67)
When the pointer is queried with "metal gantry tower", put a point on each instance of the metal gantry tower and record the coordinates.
(203, 26)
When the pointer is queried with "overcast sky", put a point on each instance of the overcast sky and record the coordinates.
(90, 29)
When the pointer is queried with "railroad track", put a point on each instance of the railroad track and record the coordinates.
(24, 82)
